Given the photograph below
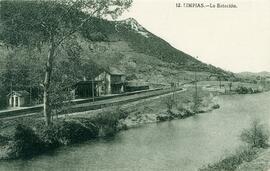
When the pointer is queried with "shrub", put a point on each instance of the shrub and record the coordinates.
(231, 162)
(25, 142)
(256, 136)
(68, 132)
(243, 90)
(109, 118)
(107, 122)
(3, 140)
(37, 138)
(169, 102)
(49, 137)
(216, 106)
(97, 37)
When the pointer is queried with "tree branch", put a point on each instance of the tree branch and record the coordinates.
(77, 28)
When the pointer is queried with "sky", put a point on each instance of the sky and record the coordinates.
(234, 39)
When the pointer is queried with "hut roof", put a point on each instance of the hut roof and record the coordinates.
(19, 93)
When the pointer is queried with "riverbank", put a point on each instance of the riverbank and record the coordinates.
(173, 106)
(261, 163)
(29, 137)
(253, 156)
(157, 109)
(23, 138)
(231, 88)
(244, 159)
(233, 161)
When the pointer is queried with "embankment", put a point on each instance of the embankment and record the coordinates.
(173, 106)
(24, 138)
(261, 163)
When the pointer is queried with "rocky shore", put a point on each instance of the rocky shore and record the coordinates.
(182, 106)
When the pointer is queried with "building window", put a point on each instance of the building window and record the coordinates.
(16, 101)
(12, 101)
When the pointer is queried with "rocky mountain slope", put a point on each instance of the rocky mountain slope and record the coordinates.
(128, 46)
(140, 54)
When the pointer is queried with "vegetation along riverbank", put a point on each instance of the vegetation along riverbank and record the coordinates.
(252, 156)
(24, 138)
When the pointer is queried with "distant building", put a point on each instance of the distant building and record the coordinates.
(85, 89)
(108, 81)
(113, 81)
(18, 98)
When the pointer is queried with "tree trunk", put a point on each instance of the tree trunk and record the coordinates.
(47, 82)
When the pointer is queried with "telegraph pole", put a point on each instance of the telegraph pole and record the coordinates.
(219, 77)
(93, 90)
(196, 100)
(30, 97)
(196, 86)
(11, 83)
(174, 89)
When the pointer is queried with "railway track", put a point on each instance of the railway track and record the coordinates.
(88, 104)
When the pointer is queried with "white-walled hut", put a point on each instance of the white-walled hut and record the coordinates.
(18, 98)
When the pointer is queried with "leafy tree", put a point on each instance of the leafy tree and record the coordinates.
(50, 23)
(20, 69)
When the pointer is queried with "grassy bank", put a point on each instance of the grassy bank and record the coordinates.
(246, 158)
(231, 162)
(261, 163)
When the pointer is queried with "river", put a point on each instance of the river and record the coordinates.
(184, 145)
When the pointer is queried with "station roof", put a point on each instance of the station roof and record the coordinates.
(114, 71)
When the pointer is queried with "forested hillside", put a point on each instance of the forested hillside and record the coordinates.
(125, 45)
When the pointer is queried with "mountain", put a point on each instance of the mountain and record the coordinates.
(140, 54)
(254, 75)
(125, 45)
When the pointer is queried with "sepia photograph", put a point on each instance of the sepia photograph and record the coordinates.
(134, 85)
